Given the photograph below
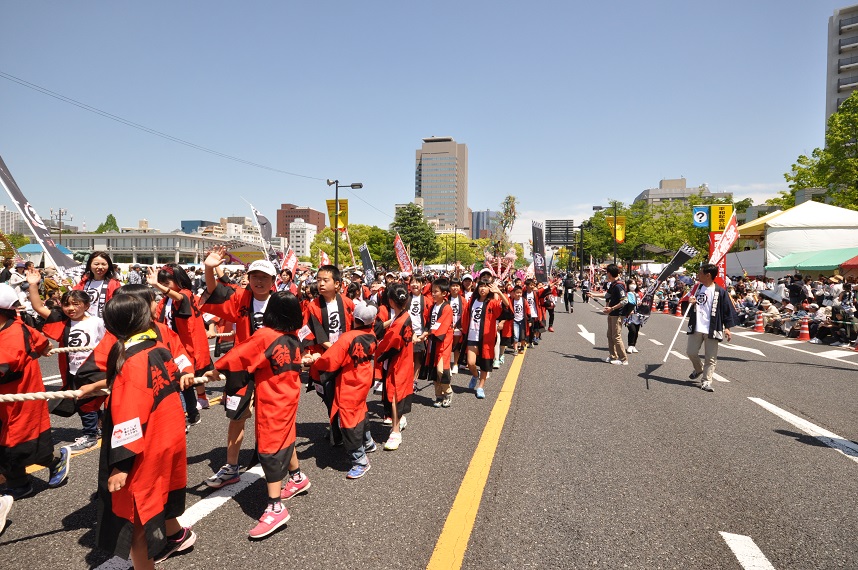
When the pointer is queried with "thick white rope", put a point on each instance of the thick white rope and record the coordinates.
(74, 394)
(58, 350)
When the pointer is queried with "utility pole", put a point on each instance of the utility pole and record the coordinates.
(58, 215)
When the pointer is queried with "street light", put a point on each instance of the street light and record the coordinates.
(337, 185)
(599, 208)
(58, 215)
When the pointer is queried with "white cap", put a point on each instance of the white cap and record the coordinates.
(365, 313)
(8, 297)
(264, 266)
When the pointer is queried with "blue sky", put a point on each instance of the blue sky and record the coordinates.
(563, 104)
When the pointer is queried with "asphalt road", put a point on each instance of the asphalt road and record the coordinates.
(597, 466)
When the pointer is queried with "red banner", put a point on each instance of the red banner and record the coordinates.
(402, 255)
(323, 258)
(718, 250)
(291, 260)
(714, 239)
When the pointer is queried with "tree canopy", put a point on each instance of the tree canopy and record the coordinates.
(109, 225)
(416, 233)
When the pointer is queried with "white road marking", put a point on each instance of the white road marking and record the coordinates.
(52, 380)
(588, 336)
(836, 354)
(54, 377)
(742, 348)
(655, 342)
(751, 335)
(844, 446)
(786, 341)
(747, 552)
(678, 355)
(718, 377)
(200, 510)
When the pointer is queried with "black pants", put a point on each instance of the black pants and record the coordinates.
(633, 333)
(550, 317)
(569, 300)
(16, 475)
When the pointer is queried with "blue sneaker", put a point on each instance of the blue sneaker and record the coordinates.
(481, 393)
(357, 471)
(473, 383)
(60, 472)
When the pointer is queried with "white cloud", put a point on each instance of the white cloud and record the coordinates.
(759, 192)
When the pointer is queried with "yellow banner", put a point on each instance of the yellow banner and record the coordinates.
(621, 227)
(719, 217)
(343, 221)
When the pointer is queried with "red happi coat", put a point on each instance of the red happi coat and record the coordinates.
(349, 363)
(94, 368)
(507, 329)
(58, 326)
(316, 319)
(439, 343)
(274, 359)
(395, 356)
(492, 311)
(144, 435)
(25, 428)
(191, 329)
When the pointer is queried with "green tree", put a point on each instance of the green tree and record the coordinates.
(378, 240)
(109, 225)
(416, 233)
(839, 161)
(18, 240)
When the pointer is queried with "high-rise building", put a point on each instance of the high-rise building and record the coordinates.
(301, 235)
(675, 189)
(842, 75)
(289, 213)
(483, 223)
(441, 182)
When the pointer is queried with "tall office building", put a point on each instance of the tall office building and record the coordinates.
(483, 222)
(301, 235)
(289, 213)
(441, 182)
(842, 76)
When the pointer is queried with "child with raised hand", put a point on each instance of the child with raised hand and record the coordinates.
(142, 471)
(273, 357)
(25, 429)
(71, 325)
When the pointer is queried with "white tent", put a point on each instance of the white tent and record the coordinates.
(811, 226)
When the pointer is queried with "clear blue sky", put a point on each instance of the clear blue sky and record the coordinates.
(563, 104)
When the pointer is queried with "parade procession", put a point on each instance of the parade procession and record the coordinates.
(323, 286)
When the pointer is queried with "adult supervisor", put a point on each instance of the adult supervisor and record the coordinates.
(711, 316)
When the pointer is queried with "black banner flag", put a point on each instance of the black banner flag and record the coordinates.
(539, 269)
(368, 265)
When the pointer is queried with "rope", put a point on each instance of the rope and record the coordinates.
(74, 394)
(224, 334)
(71, 349)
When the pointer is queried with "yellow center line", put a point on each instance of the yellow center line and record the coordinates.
(451, 546)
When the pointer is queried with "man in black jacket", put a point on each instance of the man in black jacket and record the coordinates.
(709, 320)
(614, 301)
(569, 293)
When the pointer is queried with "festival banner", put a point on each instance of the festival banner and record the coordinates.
(402, 255)
(714, 239)
(338, 221)
(539, 269)
(264, 227)
(290, 262)
(43, 235)
(621, 227)
(368, 265)
(682, 256)
(718, 249)
(323, 258)
(719, 217)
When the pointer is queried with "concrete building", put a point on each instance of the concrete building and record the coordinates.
(441, 182)
(483, 223)
(288, 213)
(191, 226)
(145, 247)
(842, 69)
(301, 235)
(11, 222)
(676, 189)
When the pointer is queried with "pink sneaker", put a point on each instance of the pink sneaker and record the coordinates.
(270, 521)
(293, 488)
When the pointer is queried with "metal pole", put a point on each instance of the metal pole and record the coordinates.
(615, 233)
(337, 223)
(581, 259)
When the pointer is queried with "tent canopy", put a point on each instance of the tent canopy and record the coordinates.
(36, 248)
(815, 215)
(756, 228)
(828, 260)
(850, 264)
(791, 261)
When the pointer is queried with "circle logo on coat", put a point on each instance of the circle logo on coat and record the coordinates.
(93, 295)
(701, 298)
(334, 322)
(478, 314)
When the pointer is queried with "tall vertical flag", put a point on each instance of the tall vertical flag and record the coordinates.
(339, 219)
(402, 255)
(323, 258)
(539, 269)
(621, 227)
(368, 265)
(60, 260)
(264, 227)
(290, 261)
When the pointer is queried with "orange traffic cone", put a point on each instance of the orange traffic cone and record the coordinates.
(666, 309)
(758, 324)
(804, 333)
(678, 312)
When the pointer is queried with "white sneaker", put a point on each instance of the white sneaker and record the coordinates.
(454, 369)
(393, 441)
(6, 502)
(620, 362)
(377, 387)
(608, 359)
(815, 341)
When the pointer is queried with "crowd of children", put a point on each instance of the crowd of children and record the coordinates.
(151, 339)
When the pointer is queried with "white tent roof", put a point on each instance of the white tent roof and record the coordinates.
(815, 215)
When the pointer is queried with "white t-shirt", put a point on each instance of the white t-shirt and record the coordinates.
(433, 318)
(86, 332)
(416, 316)
(518, 309)
(333, 321)
(456, 306)
(476, 320)
(169, 319)
(705, 295)
(531, 302)
(258, 310)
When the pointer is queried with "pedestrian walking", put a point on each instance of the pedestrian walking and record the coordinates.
(615, 300)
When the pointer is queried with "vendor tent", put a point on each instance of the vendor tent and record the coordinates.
(810, 226)
(757, 228)
(827, 260)
(790, 262)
